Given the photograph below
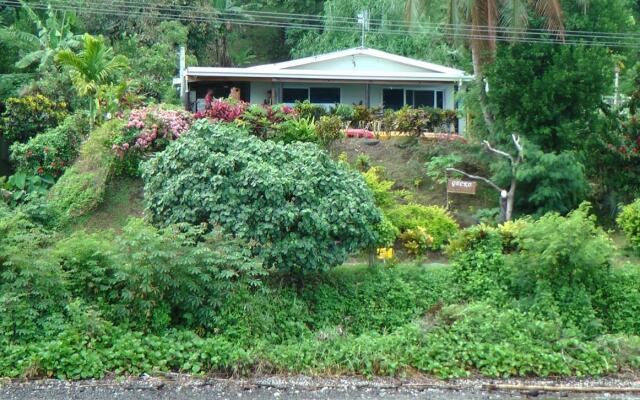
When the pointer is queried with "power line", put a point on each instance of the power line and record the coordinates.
(322, 19)
(389, 23)
(173, 14)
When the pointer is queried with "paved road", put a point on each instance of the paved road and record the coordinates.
(275, 388)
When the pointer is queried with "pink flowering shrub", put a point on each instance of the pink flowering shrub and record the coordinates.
(152, 128)
(223, 110)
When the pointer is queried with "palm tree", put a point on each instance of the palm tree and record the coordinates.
(481, 20)
(53, 35)
(92, 67)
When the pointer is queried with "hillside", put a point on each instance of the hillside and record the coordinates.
(406, 166)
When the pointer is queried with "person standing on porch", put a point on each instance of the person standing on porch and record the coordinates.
(208, 99)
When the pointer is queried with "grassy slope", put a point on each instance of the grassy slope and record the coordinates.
(123, 199)
(405, 166)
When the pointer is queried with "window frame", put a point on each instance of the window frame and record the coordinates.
(294, 88)
(406, 96)
(330, 88)
(309, 89)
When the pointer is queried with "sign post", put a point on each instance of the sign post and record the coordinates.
(461, 187)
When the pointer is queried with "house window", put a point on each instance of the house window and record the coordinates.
(393, 98)
(397, 98)
(425, 98)
(316, 95)
(324, 95)
(291, 95)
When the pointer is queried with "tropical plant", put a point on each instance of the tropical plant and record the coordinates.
(629, 222)
(296, 130)
(436, 222)
(306, 109)
(95, 65)
(21, 187)
(53, 35)
(25, 117)
(300, 210)
(50, 152)
(561, 265)
(329, 129)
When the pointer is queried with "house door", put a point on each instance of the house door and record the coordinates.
(393, 98)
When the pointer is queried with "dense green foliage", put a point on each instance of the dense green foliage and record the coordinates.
(296, 130)
(27, 116)
(557, 268)
(572, 72)
(436, 222)
(302, 210)
(52, 151)
(547, 182)
(386, 34)
(629, 222)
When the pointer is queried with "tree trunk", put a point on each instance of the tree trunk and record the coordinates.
(476, 56)
(92, 116)
(511, 194)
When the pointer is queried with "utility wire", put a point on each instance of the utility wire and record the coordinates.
(216, 16)
(388, 23)
(172, 14)
(321, 19)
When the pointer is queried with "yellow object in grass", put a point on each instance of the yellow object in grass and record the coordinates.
(385, 253)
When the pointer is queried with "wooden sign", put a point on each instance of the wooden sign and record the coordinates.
(462, 187)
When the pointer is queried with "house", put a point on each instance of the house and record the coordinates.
(354, 76)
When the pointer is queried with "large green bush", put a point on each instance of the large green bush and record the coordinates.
(32, 292)
(479, 267)
(153, 278)
(618, 301)
(52, 151)
(563, 251)
(629, 222)
(28, 116)
(560, 266)
(549, 182)
(300, 209)
(437, 222)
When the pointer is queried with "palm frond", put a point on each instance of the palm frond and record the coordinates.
(515, 14)
(70, 59)
(83, 86)
(111, 67)
(551, 11)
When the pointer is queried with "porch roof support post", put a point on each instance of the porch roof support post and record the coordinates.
(367, 95)
(273, 92)
(184, 83)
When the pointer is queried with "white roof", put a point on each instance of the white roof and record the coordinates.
(341, 65)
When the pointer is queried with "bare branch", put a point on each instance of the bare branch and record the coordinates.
(516, 141)
(481, 178)
(502, 153)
